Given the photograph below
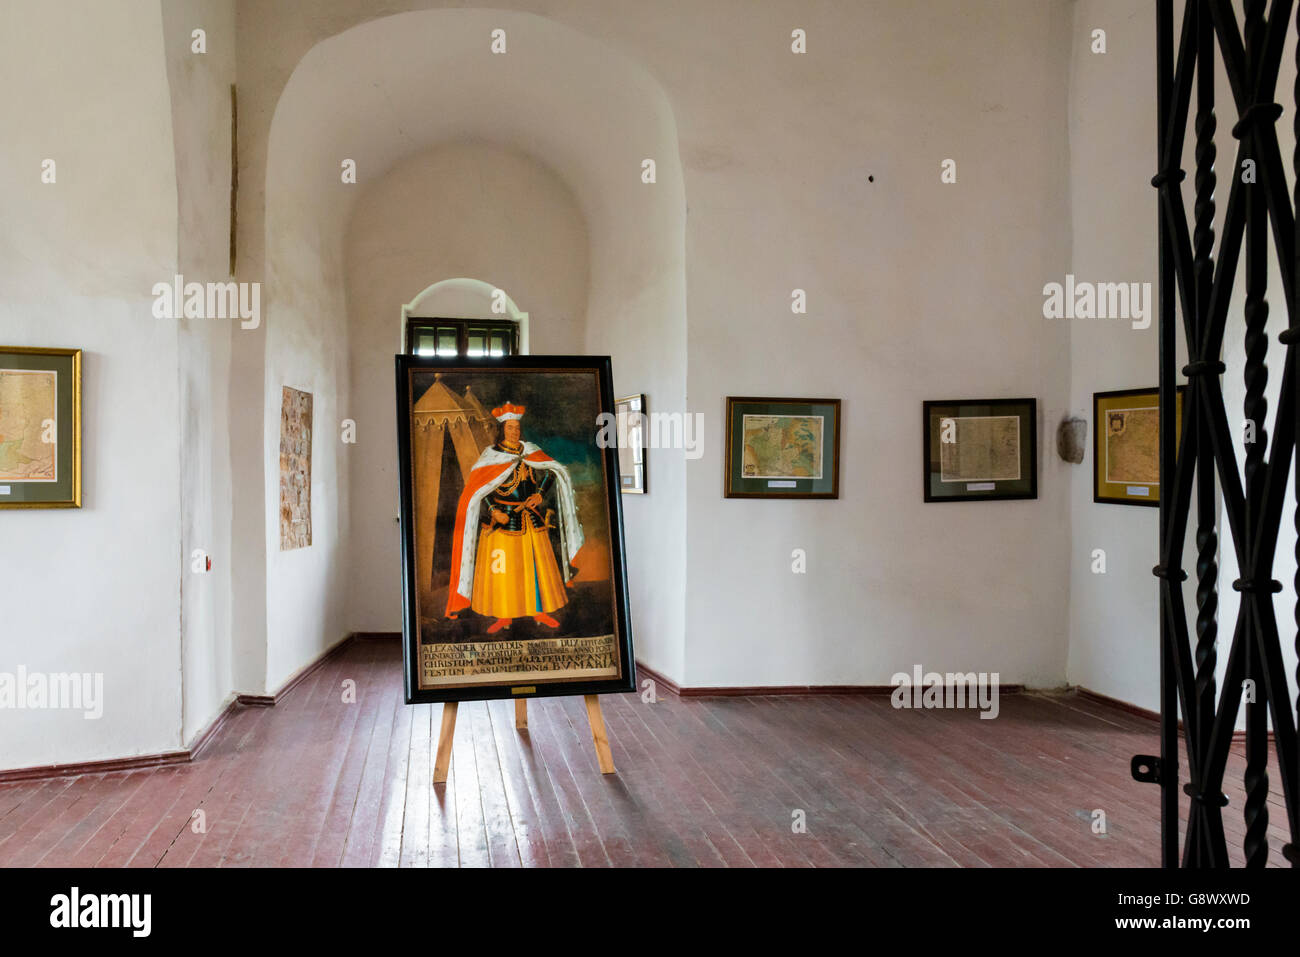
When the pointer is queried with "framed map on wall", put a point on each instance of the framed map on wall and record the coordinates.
(1126, 445)
(40, 428)
(513, 571)
(979, 449)
(782, 448)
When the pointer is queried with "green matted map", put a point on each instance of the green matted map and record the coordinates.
(782, 446)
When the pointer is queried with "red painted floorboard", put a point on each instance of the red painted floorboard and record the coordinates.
(789, 781)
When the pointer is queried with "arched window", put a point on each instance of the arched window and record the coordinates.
(470, 318)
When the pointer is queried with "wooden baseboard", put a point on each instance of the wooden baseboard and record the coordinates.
(1118, 704)
(159, 760)
(1238, 737)
(204, 737)
(270, 700)
(661, 683)
(737, 691)
(182, 755)
(762, 690)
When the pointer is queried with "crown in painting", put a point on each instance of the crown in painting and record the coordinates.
(507, 412)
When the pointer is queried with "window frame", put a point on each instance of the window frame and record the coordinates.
(426, 325)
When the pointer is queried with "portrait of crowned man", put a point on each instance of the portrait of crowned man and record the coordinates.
(503, 564)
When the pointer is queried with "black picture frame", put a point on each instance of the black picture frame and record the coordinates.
(735, 484)
(408, 365)
(1108, 495)
(980, 488)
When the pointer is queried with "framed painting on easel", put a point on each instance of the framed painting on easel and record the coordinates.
(512, 532)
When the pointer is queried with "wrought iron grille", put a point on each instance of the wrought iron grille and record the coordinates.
(1197, 276)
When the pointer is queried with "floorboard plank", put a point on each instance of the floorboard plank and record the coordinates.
(713, 782)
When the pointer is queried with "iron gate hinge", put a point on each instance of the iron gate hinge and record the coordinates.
(1145, 768)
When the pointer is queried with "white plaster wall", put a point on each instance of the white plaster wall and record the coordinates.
(460, 210)
(1114, 620)
(916, 290)
(578, 106)
(777, 149)
(200, 108)
(306, 349)
(95, 589)
(1115, 617)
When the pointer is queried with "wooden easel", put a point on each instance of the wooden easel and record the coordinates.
(442, 760)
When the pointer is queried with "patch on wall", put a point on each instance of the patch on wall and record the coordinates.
(1071, 436)
(295, 470)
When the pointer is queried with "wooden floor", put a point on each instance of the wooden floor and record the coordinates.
(711, 782)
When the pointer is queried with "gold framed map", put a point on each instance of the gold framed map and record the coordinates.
(40, 427)
(980, 449)
(782, 448)
(1126, 445)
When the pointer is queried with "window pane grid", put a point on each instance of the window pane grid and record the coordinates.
(454, 337)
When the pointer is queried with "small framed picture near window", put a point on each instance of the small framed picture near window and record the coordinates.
(1126, 445)
(782, 448)
(40, 428)
(632, 424)
(978, 449)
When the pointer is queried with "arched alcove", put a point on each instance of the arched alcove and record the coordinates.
(370, 98)
(465, 298)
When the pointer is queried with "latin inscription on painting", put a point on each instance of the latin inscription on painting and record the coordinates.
(295, 469)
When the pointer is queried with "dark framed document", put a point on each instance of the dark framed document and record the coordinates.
(980, 449)
(782, 448)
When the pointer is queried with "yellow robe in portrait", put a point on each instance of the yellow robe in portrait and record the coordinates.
(515, 571)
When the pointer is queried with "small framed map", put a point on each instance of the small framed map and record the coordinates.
(1126, 445)
(782, 448)
(980, 449)
(40, 428)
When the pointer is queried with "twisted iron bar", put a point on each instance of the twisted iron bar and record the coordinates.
(1255, 408)
(1203, 469)
(1291, 851)
(1200, 840)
